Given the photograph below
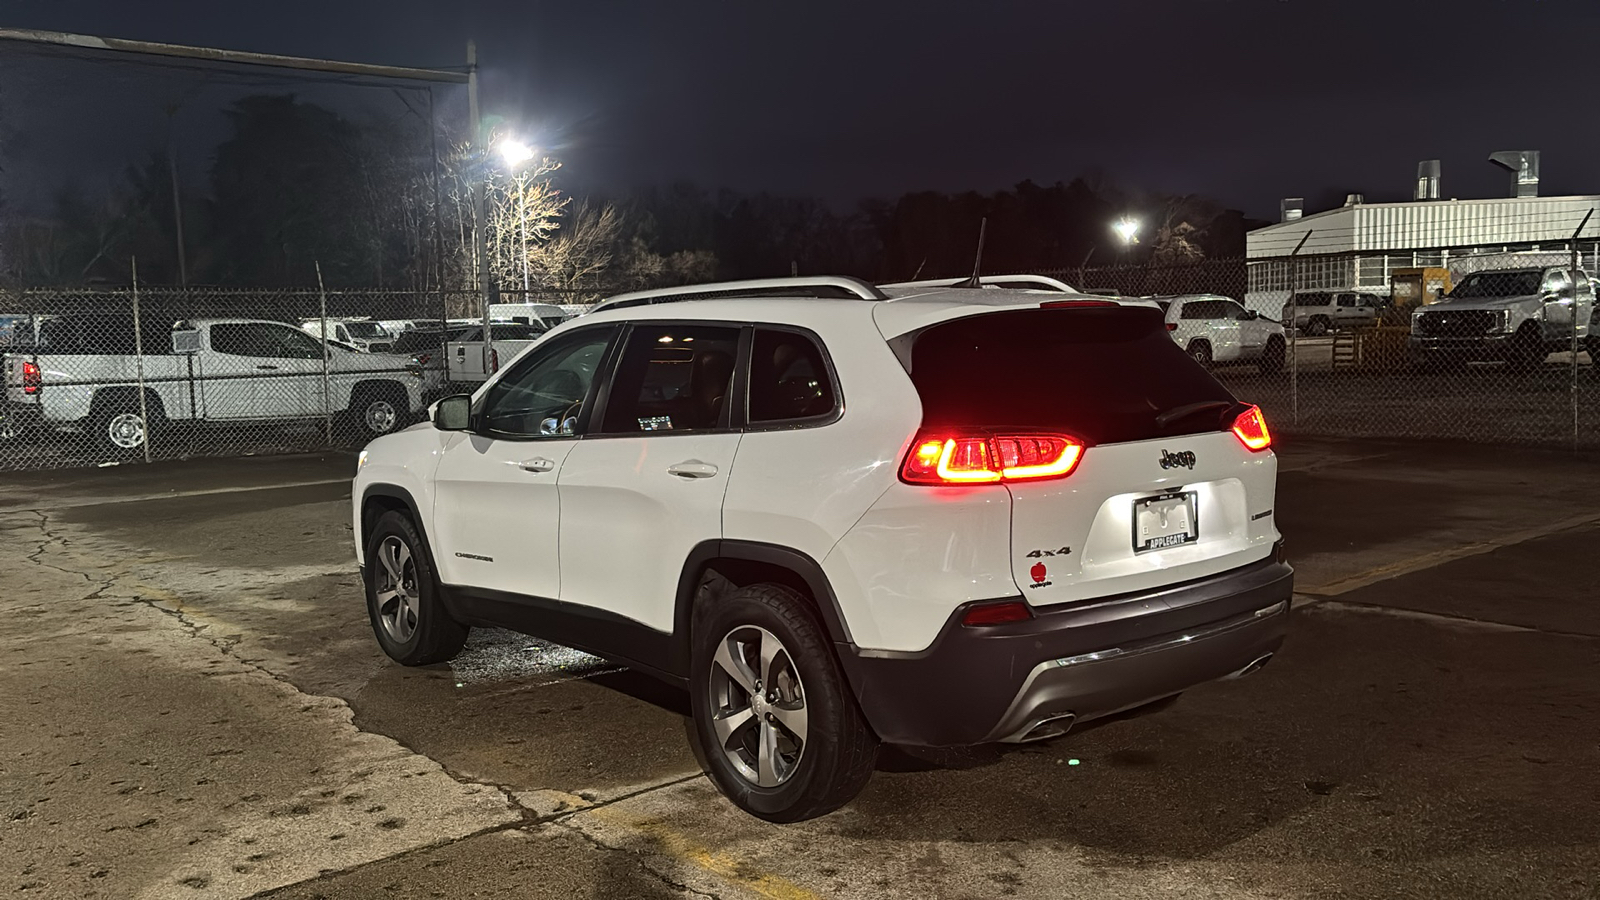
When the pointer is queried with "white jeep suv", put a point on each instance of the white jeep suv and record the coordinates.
(1215, 330)
(840, 516)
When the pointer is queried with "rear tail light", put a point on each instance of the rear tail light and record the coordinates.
(494, 361)
(1250, 427)
(996, 613)
(32, 378)
(1172, 326)
(988, 458)
(421, 359)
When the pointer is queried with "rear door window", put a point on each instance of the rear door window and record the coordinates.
(789, 379)
(673, 378)
(1106, 375)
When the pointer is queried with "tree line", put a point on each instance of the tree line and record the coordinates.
(295, 185)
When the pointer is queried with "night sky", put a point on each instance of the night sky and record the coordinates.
(1246, 101)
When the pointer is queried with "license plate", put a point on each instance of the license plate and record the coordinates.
(1165, 521)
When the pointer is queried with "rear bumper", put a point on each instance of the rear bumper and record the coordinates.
(1085, 660)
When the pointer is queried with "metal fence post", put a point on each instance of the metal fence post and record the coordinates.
(1576, 302)
(1294, 352)
(327, 400)
(138, 359)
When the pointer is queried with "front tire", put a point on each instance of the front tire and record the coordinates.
(1272, 357)
(408, 617)
(1200, 352)
(779, 729)
(375, 410)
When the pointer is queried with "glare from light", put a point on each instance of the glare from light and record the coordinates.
(515, 153)
(1127, 229)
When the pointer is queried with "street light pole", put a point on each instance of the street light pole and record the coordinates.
(480, 199)
(522, 214)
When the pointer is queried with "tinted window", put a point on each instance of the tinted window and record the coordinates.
(264, 340)
(544, 394)
(1106, 375)
(1202, 309)
(788, 378)
(673, 378)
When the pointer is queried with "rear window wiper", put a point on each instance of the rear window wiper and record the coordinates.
(1189, 409)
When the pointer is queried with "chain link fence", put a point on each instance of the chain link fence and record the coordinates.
(1493, 341)
(103, 376)
(1488, 344)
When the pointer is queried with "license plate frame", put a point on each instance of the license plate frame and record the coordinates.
(1167, 538)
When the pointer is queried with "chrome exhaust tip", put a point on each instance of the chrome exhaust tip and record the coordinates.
(1255, 666)
(1048, 727)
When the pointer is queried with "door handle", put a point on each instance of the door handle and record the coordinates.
(268, 368)
(537, 464)
(692, 468)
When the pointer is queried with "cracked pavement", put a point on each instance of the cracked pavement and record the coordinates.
(194, 706)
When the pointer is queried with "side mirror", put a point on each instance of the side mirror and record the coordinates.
(1252, 315)
(453, 413)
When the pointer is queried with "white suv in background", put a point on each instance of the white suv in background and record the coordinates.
(840, 515)
(1214, 330)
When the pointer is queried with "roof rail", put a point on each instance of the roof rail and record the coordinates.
(1036, 282)
(833, 286)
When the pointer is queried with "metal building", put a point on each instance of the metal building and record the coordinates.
(1357, 246)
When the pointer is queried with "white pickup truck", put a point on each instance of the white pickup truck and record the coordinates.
(83, 375)
(465, 349)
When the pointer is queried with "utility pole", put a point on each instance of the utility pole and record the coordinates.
(177, 197)
(480, 201)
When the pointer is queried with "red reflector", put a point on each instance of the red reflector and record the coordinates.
(422, 358)
(1172, 326)
(32, 378)
(1251, 429)
(984, 459)
(494, 361)
(1076, 304)
(997, 613)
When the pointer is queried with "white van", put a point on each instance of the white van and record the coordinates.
(528, 313)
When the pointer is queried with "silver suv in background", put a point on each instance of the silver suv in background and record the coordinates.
(1316, 313)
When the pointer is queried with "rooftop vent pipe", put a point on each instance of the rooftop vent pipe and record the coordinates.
(1427, 180)
(1524, 168)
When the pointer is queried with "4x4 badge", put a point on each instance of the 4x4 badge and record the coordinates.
(1182, 459)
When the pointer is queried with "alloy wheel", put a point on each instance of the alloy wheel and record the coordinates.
(758, 706)
(396, 589)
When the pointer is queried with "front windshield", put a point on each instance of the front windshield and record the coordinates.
(1498, 284)
(365, 329)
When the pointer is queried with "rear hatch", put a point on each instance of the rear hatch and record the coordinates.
(1163, 490)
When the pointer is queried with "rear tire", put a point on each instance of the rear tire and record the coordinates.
(1200, 352)
(778, 727)
(408, 617)
(119, 427)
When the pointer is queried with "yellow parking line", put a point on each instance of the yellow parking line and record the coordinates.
(680, 846)
(1439, 557)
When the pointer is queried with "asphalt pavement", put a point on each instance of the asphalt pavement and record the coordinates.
(194, 707)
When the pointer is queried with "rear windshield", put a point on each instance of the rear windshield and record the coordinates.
(1104, 375)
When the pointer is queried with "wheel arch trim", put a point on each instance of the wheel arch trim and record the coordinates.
(808, 570)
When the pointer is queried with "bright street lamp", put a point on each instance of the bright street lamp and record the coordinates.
(1127, 229)
(515, 153)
